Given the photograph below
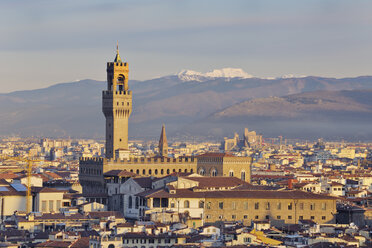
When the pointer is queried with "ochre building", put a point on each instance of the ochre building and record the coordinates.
(245, 205)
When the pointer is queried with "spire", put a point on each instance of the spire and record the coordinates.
(163, 144)
(117, 58)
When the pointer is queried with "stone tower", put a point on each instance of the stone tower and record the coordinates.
(117, 107)
(163, 144)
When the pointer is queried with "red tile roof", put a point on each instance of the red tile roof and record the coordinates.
(217, 182)
(215, 155)
(258, 194)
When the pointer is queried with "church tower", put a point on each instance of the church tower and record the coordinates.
(163, 144)
(117, 106)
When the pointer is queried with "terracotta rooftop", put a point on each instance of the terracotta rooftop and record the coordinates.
(56, 244)
(215, 155)
(144, 182)
(8, 175)
(257, 194)
(216, 182)
(51, 190)
(82, 242)
(105, 214)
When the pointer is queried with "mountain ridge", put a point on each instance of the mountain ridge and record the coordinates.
(74, 109)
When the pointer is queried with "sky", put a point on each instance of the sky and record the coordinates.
(44, 42)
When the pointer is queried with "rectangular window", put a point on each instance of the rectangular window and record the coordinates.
(323, 217)
(156, 203)
(247, 240)
(220, 205)
(257, 205)
(279, 206)
(220, 217)
(289, 217)
(233, 216)
(267, 205)
(233, 205)
(208, 216)
(301, 206)
(245, 216)
(43, 206)
(312, 206)
(278, 217)
(208, 205)
(245, 205)
(324, 206)
(312, 217)
(51, 207)
(300, 217)
(290, 206)
(58, 205)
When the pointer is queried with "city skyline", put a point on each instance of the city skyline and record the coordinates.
(66, 41)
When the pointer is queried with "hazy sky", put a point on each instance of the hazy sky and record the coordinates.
(47, 42)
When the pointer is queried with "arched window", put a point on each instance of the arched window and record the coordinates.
(143, 172)
(201, 204)
(168, 171)
(137, 203)
(130, 202)
(201, 172)
(150, 172)
(231, 173)
(137, 171)
(186, 204)
(120, 82)
(185, 170)
(111, 246)
(242, 175)
(162, 171)
(156, 171)
(214, 173)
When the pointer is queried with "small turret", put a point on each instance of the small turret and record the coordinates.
(163, 144)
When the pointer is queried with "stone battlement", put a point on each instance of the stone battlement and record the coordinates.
(139, 160)
(155, 160)
(110, 93)
(91, 160)
(112, 64)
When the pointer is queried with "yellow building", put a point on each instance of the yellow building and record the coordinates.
(245, 205)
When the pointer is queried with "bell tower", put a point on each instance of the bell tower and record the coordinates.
(117, 106)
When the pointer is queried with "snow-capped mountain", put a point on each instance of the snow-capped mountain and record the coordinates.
(228, 73)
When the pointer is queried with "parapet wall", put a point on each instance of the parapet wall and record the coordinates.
(110, 93)
(97, 161)
(138, 160)
(155, 160)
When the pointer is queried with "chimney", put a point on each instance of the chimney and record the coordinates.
(290, 183)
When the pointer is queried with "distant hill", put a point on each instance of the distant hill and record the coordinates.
(331, 114)
(185, 107)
